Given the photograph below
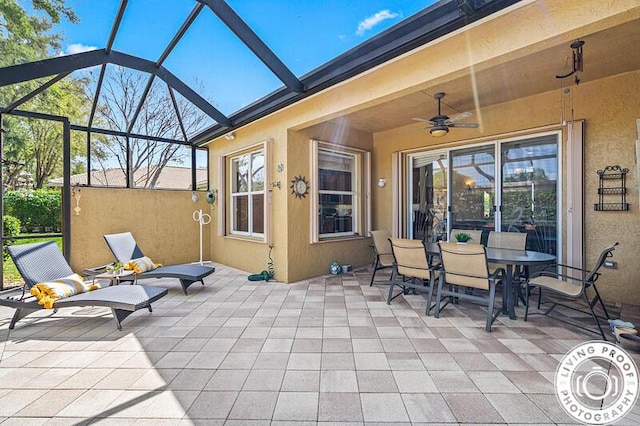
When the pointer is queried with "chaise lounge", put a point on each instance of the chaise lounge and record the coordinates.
(43, 262)
(124, 248)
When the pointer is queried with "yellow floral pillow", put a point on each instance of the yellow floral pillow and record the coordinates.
(140, 265)
(48, 292)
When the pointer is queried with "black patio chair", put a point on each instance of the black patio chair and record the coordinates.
(571, 283)
(43, 262)
(124, 248)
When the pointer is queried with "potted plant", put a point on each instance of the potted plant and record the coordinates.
(462, 237)
(115, 268)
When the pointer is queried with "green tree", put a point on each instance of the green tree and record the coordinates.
(66, 98)
(35, 146)
(26, 37)
(121, 93)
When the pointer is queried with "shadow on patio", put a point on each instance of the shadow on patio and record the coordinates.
(327, 349)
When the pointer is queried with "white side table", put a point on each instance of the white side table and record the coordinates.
(114, 277)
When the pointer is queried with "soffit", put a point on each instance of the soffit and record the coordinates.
(606, 53)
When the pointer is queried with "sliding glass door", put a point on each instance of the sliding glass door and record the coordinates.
(529, 190)
(507, 185)
(428, 199)
(473, 188)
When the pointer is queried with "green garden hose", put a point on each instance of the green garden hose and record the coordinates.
(264, 275)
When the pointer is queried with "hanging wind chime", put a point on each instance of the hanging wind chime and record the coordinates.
(566, 93)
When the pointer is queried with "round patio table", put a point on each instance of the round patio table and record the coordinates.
(509, 258)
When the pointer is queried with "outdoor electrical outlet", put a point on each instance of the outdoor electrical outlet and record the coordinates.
(611, 264)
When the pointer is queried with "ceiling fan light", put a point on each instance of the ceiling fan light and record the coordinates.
(439, 131)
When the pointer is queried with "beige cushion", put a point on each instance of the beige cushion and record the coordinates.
(565, 287)
(465, 264)
(507, 240)
(383, 247)
(411, 258)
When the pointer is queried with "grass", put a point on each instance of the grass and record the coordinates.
(11, 274)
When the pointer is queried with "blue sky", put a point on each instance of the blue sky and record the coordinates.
(304, 34)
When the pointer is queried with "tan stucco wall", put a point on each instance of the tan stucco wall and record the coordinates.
(252, 256)
(160, 220)
(294, 257)
(528, 27)
(305, 259)
(610, 108)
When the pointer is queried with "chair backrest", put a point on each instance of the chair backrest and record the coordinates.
(382, 246)
(123, 246)
(39, 262)
(410, 258)
(606, 253)
(507, 240)
(476, 235)
(465, 264)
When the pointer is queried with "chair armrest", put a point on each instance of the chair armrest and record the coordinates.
(573, 268)
(561, 265)
(557, 276)
(498, 273)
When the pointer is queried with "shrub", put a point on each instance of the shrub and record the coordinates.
(11, 227)
(41, 208)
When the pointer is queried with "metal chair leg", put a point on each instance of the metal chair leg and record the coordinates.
(539, 296)
(526, 302)
(375, 269)
(430, 296)
(597, 298)
(391, 285)
(595, 317)
(438, 297)
(492, 297)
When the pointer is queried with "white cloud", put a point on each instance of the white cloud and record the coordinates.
(374, 20)
(78, 48)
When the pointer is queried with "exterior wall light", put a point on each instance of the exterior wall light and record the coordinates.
(382, 182)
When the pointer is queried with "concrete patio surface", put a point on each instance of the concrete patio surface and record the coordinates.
(323, 351)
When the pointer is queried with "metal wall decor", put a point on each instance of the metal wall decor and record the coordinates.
(299, 186)
(612, 189)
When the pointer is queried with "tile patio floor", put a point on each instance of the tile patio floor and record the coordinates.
(326, 350)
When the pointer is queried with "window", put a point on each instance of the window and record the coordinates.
(339, 195)
(247, 195)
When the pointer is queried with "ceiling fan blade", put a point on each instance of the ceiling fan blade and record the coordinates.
(464, 125)
(421, 129)
(424, 120)
(460, 116)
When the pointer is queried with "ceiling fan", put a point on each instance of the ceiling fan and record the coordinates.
(440, 124)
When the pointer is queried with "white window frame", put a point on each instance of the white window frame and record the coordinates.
(360, 191)
(228, 184)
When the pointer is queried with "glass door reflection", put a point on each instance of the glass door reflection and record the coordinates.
(473, 188)
(428, 197)
(529, 190)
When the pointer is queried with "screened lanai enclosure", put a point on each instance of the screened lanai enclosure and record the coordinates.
(115, 117)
